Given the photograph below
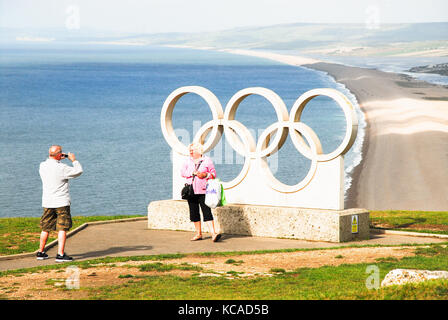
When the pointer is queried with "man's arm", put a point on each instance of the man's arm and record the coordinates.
(75, 171)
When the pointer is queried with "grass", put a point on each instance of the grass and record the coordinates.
(234, 262)
(160, 267)
(344, 282)
(417, 221)
(20, 235)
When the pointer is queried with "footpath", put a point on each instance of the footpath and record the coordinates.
(131, 237)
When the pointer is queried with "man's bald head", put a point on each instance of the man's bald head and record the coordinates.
(54, 150)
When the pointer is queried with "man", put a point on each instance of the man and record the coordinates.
(56, 199)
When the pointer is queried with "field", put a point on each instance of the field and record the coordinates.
(347, 273)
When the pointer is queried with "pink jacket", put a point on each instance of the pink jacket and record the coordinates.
(199, 185)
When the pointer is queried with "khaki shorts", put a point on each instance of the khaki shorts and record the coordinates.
(58, 219)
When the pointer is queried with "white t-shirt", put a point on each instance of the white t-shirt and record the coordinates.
(54, 176)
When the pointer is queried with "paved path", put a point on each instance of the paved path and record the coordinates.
(132, 238)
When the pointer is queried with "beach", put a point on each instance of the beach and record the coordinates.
(404, 162)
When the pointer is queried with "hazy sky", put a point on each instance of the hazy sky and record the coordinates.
(209, 15)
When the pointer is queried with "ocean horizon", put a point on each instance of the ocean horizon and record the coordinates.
(103, 103)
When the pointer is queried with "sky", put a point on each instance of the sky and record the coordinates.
(158, 16)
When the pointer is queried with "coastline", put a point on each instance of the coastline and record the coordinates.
(404, 165)
(405, 146)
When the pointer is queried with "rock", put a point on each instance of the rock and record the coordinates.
(403, 276)
(441, 68)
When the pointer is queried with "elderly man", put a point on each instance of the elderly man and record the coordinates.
(56, 199)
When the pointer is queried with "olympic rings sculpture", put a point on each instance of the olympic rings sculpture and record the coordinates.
(242, 141)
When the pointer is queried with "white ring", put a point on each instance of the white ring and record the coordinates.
(350, 117)
(272, 97)
(273, 182)
(166, 116)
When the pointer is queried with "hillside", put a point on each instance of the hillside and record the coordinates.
(341, 39)
(430, 39)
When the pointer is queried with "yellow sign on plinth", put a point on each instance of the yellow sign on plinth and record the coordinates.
(355, 223)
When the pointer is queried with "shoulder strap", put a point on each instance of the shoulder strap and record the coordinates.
(197, 167)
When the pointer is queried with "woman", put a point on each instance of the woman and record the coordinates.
(200, 168)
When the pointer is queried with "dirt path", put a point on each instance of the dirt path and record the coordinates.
(51, 285)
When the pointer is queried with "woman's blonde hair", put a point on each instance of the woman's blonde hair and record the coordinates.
(196, 146)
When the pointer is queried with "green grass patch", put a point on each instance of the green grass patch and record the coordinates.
(234, 262)
(418, 221)
(161, 267)
(21, 235)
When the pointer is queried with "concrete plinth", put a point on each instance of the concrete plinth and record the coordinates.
(267, 221)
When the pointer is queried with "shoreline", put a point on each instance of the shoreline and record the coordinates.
(404, 152)
(359, 144)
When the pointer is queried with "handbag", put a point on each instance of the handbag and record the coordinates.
(187, 191)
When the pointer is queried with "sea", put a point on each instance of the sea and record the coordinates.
(103, 103)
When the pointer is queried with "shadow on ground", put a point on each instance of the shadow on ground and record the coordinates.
(110, 251)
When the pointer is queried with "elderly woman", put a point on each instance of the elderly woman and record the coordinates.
(202, 169)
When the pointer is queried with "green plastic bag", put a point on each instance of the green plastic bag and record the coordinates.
(223, 201)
